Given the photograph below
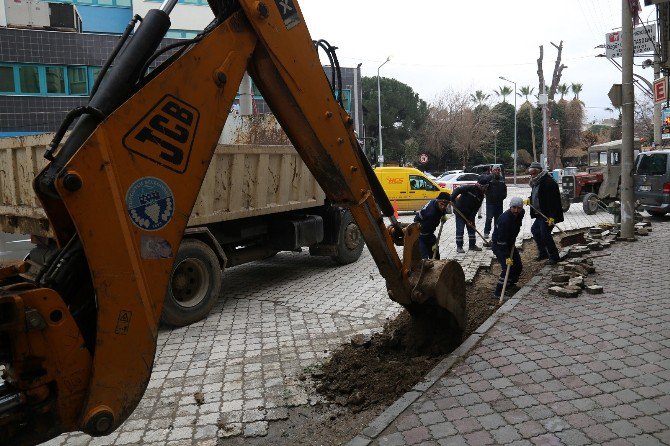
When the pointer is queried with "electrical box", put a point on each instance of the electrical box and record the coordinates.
(42, 15)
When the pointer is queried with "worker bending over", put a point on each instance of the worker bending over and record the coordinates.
(545, 197)
(467, 200)
(504, 238)
(430, 216)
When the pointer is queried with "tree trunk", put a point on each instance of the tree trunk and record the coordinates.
(555, 80)
(532, 130)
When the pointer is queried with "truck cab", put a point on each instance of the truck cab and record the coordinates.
(600, 183)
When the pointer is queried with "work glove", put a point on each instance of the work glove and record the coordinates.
(526, 201)
(509, 261)
(550, 222)
(443, 219)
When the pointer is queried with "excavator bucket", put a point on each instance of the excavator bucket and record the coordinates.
(438, 286)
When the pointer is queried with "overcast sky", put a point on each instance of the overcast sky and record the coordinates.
(436, 45)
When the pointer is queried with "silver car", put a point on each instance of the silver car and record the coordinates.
(651, 180)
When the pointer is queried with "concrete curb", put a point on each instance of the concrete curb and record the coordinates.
(384, 420)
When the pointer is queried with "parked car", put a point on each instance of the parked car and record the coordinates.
(651, 181)
(486, 168)
(457, 179)
(408, 187)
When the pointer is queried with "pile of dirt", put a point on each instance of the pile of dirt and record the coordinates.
(379, 370)
(376, 370)
(362, 378)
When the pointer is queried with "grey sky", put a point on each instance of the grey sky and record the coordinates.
(465, 45)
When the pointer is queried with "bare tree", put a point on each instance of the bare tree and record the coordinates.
(643, 119)
(554, 148)
(453, 125)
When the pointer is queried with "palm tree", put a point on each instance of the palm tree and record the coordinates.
(576, 89)
(526, 91)
(503, 91)
(563, 89)
(479, 97)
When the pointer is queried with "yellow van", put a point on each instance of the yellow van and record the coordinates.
(410, 188)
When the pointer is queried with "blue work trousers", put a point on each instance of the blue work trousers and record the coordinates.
(460, 227)
(493, 211)
(514, 272)
(543, 239)
(426, 243)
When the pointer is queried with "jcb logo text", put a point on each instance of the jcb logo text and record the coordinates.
(165, 134)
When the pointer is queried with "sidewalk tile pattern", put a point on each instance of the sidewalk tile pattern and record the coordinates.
(279, 316)
(591, 370)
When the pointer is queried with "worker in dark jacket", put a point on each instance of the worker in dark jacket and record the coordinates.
(430, 216)
(504, 238)
(495, 195)
(468, 199)
(546, 198)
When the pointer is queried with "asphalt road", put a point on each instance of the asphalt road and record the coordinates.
(14, 246)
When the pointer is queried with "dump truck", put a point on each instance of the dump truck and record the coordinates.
(257, 198)
(79, 317)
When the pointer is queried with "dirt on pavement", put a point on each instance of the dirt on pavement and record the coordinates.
(364, 377)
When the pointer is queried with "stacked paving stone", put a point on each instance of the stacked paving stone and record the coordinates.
(572, 280)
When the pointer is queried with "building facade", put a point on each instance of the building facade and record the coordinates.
(48, 66)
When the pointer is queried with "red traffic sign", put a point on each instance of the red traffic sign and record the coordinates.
(423, 158)
(661, 90)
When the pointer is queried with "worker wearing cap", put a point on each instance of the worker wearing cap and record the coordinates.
(545, 197)
(503, 240)
(430, 217)
(468, 199)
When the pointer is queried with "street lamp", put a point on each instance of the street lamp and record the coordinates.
(512, 82)
(379, 108)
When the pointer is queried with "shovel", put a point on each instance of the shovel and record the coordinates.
(566, 240)
(509, 267)
(436, 248)
(467, 222)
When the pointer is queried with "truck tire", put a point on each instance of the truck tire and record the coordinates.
(565, 203)
(349, 241)
(194, 285)
(590, 203)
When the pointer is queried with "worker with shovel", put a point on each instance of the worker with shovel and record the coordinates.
(466, 201)
(430, 216)
(546, 209)
(504, 239)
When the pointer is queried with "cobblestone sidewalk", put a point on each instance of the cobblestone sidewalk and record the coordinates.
(591, 370)
(278, 317)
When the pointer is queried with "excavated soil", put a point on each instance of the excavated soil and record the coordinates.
(364, 377)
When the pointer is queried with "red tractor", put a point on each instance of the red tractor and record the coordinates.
(599, 185)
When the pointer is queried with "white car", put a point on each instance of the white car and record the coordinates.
(452, 181)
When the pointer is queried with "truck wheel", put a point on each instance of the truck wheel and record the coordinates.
(565, 203)
(590, 203)
(194, 284)
(349, 241)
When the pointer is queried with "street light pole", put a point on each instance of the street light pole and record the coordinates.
(379, 108)
(512, 82)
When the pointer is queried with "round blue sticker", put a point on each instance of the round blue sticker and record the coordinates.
(150, 203)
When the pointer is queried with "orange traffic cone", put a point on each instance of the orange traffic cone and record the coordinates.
(395, 209)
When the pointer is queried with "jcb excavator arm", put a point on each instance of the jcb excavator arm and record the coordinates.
(78, 322)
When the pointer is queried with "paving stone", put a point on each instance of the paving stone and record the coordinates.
(593, 339)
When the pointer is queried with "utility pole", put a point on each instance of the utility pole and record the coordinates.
(628, 99)
(544, 100)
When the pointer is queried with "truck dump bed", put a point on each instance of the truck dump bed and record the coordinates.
(243, 180)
